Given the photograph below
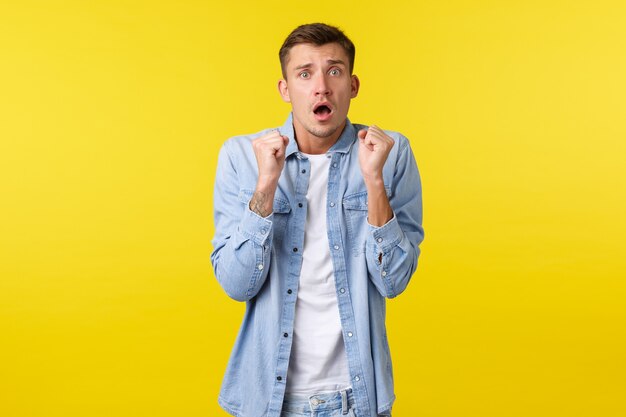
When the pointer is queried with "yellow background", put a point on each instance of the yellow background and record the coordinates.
(111, 116)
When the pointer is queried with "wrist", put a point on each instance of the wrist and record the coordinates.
(374, 181)
(266, 184)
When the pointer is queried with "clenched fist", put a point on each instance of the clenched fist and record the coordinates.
(269, 151)
(374, 148)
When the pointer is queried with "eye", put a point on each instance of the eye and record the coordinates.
(305, 74)
(335, 71)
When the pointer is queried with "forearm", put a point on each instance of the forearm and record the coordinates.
(262, 200)
(379, 210)
(394, 239)
(243, 239)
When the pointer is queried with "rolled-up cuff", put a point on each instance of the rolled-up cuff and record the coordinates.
(387, 236)
(255, 227)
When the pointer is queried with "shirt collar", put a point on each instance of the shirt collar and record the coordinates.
(343, 144)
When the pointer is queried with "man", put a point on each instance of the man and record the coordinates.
(317, 222)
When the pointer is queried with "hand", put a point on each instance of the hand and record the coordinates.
(374, 148)
(269, 151)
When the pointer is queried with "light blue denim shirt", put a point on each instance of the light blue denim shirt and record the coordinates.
(258, 260)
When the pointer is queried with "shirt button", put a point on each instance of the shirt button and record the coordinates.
(332, 204)
(356, 378)
(278, 378)
(335, 165)
(299, 204)
(303, 171)
(342, 290)
(260, 267)
(264, 230)
(336, 247)
(289, 291)
(285, 334)
(295, 249)
(380, 239)
(384, 273)
(349, 334)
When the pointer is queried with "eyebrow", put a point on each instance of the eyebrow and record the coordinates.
(336, 61)
(329, 61)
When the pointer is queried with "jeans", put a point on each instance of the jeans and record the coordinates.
(333, 404)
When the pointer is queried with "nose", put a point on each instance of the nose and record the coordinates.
(321, 86)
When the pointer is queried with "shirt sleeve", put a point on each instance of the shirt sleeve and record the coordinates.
(242, 240)
(393, 249)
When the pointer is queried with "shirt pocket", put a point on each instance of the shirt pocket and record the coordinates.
(281, 209)
(355, 206)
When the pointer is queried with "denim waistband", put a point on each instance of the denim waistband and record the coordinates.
(341, 400)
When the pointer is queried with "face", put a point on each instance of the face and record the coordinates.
(319, 87)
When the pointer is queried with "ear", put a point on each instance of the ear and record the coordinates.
(283, 89)
(355, 84)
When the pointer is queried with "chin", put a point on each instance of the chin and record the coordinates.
(323, 132)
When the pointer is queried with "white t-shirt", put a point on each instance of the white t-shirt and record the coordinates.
(318, 359)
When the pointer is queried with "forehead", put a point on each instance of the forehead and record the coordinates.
(307, 53)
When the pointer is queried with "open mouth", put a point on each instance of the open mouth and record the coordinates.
(322, 111)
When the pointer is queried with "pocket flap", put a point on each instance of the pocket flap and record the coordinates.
(358, 201)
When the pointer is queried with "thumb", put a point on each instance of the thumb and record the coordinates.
(285, 140)
(362, 133)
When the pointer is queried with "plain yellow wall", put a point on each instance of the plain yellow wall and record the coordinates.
(111, 117)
